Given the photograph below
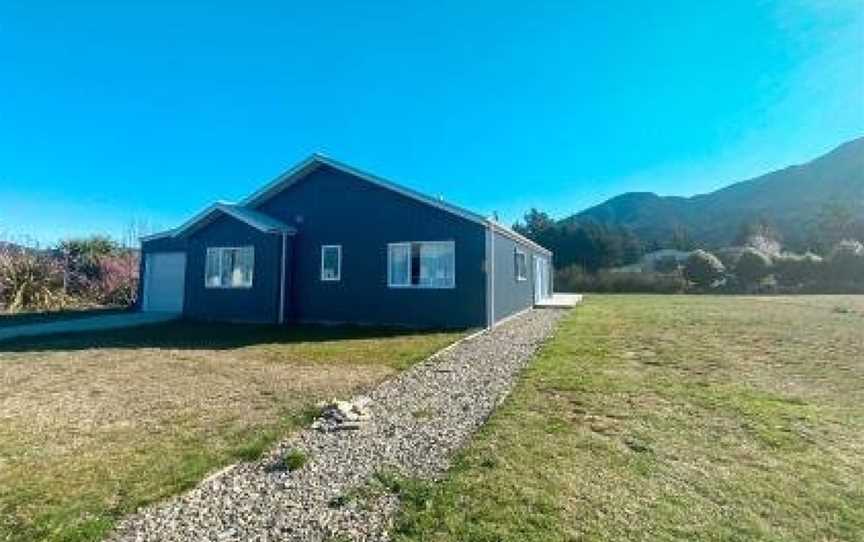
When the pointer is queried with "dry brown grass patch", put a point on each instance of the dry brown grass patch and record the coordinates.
(90, 431)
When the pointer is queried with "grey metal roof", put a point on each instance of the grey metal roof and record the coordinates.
(251, 217)
(257, 220)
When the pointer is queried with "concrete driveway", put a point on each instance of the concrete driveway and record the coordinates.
(96, 323)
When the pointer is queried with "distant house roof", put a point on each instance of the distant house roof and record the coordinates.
(666, 253)
(246, 207)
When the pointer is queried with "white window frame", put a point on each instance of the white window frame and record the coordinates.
(338, 276)
(516, 254)
(409, 244)
(390, 283)
(220, 250)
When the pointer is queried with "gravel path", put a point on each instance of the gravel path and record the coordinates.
(419, 419)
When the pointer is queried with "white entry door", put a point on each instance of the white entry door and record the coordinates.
(538, 279)
(541, 279)
(164, 282)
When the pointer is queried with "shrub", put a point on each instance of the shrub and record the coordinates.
(846, 263)
(82, 264)
(576, 279)
(30, 281)
(753, 266)
(79, 273)
(796, 270)
(667, 265)
(294, 460)
(703, 269)
(728, 256)
(117, 282)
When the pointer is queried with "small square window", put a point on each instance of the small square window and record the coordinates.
(331, 262)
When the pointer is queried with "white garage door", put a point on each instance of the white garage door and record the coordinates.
(164, 282)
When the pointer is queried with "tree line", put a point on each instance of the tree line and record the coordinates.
(587, 253)
(589, 245)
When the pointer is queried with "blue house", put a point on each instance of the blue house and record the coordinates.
(325, 242)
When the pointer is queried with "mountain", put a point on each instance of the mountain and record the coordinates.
(790, 199)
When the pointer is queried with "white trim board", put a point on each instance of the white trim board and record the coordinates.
(490, 278)
(282, 265)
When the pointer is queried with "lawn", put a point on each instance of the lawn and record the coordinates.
(670, 418)
(94, 425)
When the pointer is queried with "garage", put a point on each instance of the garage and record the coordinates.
(164, 282)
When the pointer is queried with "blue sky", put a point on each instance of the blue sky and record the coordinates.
(118, 111)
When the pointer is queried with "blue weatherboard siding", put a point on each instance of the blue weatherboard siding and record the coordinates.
(330, 207)
(260, 303)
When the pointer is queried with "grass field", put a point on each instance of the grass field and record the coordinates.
(94, 425)
(670, 418)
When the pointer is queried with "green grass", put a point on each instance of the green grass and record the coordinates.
(670, 418)
(294, 460)
(94, 425)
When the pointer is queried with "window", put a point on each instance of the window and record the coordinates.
(429, 264)
(331, 262)
(228, 267)
(521, 262)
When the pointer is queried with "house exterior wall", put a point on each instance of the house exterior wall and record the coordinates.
(511, 295)
(260, 302)
(330, 207)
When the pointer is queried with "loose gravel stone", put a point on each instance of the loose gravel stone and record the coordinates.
(416, 421)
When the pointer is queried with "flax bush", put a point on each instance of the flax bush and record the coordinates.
(30, 281)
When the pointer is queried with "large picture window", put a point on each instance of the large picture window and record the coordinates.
(229, 267)
(521, 263)
(428, 264)
(331, 262)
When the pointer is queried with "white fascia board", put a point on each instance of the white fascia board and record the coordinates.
(507, 232)
(159, 235)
